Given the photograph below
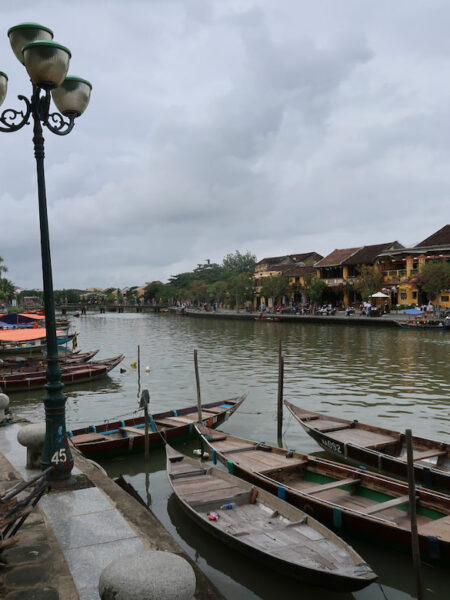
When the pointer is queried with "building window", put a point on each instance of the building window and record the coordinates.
(414, 295)
(403, 296)
(445, 298)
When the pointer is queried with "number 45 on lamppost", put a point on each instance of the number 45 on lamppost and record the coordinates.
(47, 64)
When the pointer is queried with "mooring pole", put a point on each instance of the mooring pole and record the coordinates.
(280, 396)
(144, 402)
(413, 516)
(139, 370)
(197, 380)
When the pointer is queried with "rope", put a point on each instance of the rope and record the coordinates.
(127, 414)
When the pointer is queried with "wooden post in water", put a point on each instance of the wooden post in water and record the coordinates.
(280, 396)
(139, 370)
(413, 516)
(197, 379)
(144, 402)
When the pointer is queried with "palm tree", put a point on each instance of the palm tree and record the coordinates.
(3, 267)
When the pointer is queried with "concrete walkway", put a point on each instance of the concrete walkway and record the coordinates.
(74, 533)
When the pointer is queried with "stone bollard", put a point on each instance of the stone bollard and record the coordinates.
(148, 575)
(32, 437)
(4, 403)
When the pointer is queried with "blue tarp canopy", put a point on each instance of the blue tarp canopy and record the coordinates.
(413, 311)
(15, 319)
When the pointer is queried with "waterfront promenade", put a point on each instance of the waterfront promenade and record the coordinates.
(74, 533)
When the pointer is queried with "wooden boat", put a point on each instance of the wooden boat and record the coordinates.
(264, 527)
(70, 374)
(27, 341)
(351, 500)
(128, 437)
(270, 319)
(380, 449)
(21, 363)
(425, 323)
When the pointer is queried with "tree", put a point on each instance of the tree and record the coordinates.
(7, 290)
(154, 291)
(434, 278)
(3, 267)
(274, 287)
(314, 288)
(241, 288)
(370, 280)
(239, 263)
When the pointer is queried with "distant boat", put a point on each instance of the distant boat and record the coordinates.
(31, 362)
(264, 527)
(25, 341)
(380, 449)
(117, 438)
(422, 324)
(71, 374)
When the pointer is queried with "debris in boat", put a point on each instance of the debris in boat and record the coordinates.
(147, 369)
(122, 370)
(133, 365)
(198, 452)
(213, 516)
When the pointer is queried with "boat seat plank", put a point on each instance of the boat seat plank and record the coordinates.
(215, 410)
(420, 455)
(329, 425)
(167, 422)
(185, 419)
(133, 430)
(214, 495)
(438, 527)
(362, 437)
(84, 438)
(385, 505)
(245, 448)
(334, 484)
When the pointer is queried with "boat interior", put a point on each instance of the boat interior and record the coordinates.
(241, 515)
(346, 488)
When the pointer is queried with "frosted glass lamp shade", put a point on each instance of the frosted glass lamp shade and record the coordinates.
(3, 86)
(23, 34)
(47, 63)
(72, 96)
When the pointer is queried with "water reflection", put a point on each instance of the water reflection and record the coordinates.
(389, 377)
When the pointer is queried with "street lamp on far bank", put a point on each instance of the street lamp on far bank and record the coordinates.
(47, 64)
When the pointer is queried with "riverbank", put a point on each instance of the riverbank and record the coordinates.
(75, 532)
(340, 318)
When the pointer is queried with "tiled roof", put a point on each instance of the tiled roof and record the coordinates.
(367, 254)
(337, 257)
(297, 271)
(439, 238)
(294, 258)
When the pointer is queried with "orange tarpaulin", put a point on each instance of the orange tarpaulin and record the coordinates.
(33, 316)
(21, 335)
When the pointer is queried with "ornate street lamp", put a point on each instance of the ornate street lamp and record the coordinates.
(47, 64)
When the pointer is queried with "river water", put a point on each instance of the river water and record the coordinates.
(394, 378)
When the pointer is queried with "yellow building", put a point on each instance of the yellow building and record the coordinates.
(340, 270)
(286, 265)
(401, 266)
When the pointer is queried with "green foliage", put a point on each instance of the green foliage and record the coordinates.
(240, 287)
(274, 287)
(370, 280)
(3, 267)
(239, 263)
(434, 278)
(7, 290)
(314, 288)
(73, 296)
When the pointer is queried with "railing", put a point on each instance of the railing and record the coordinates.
(397, 274)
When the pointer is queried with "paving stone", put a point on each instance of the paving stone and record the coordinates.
(34, 594)
(25, 576)
(25, 554)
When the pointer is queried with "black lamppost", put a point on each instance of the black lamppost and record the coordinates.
(47, 64)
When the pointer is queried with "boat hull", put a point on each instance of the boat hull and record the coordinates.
(111, 448)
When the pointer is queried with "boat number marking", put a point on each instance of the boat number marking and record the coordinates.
(333, 446)
(60, 456)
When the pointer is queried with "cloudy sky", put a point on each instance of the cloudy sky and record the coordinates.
(219, 125)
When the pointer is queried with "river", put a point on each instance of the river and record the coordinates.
(394, 378)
